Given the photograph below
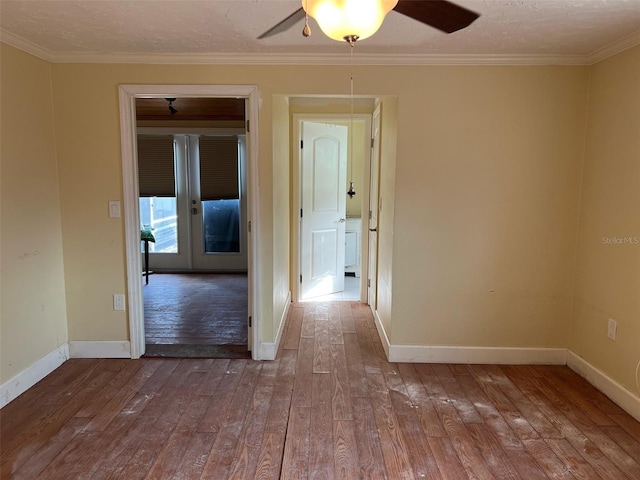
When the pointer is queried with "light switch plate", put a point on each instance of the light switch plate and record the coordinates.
(118, 302)
(114, 208)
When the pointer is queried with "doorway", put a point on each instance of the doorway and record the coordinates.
(128, 96)
(327, 239)
(192, 184)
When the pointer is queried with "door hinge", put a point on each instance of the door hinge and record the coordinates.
(250, 325)
(300, 278)
(370, 214)
(248, 126)
(300, 213)
(369, 282)
(301, 144)
(372, 142)
(249, 226)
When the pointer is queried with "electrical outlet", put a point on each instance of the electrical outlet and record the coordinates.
(118, 302)
(612, 328)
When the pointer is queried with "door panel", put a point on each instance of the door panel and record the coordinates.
(324, 168)
(323, 262)
(218, 239)
(167, 217)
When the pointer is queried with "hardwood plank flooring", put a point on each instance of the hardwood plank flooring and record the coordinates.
(330, 407)
(196, 315)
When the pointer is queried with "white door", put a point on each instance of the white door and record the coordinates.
(372, 285)
(324, 176)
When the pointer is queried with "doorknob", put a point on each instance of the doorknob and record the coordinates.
(342, 220)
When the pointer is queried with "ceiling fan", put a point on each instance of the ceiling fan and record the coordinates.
(440, 14)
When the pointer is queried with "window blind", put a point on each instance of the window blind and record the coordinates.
(156, 166)
(218, 168)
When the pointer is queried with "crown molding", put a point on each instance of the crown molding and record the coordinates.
(618, 46)
(26, 46)
(321, 59)
(598, 55)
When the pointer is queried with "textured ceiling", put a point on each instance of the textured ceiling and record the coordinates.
(60, 28)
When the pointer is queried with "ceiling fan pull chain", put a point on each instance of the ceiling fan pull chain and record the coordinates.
(351, 192)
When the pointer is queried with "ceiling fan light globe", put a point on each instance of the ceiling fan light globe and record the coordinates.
(339, 19)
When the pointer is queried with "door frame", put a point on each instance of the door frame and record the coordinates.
(127, 97)
(296, 186)
(374, 203)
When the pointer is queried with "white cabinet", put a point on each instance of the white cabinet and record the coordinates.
(352, 245)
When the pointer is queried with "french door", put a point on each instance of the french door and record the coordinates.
(193, 201)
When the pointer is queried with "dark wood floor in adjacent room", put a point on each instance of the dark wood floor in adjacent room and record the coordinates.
(329, 407)
(196, 315)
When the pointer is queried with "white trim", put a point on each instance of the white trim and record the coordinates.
(382, 333)
(23, 381)
(127, 96)
(480, 355)
(27, 46)
(131, 220)
(268, 351)
(454, 354)
(614, 48)
(318, 59)
(623, 397)
(91, 349)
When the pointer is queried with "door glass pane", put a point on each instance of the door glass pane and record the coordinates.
(159, 214)
(221, 226)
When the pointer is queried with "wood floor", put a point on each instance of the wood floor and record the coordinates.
(329, 407)
(196, 314)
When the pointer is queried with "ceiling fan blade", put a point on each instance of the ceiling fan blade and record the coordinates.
(441, 14)
(285, 24)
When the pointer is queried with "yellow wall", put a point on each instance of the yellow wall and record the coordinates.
(33, 311)
(480, 200)
(355, 167)
(607, 282)
(281, 211)
(486, 201)
(485, 188)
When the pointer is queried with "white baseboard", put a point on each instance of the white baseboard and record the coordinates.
(446, 354)
(112, 349)
(382, 333)
(487, 355)
(26, 379)
(623, 397)
(268, 351)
